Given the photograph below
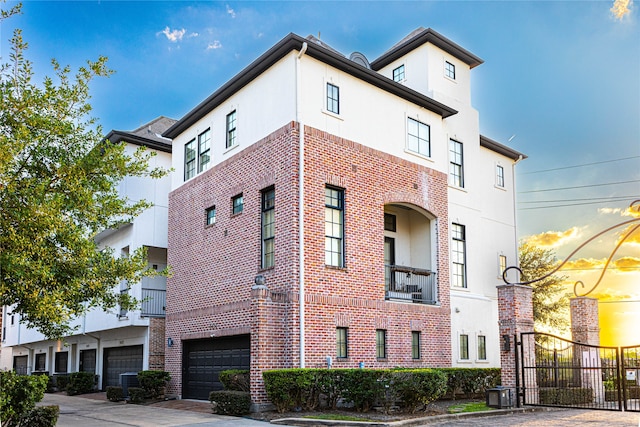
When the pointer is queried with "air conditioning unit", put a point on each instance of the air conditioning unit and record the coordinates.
(128, 379)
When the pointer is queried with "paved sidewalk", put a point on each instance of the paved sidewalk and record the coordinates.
(78, 411)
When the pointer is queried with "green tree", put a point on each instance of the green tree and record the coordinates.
(58, 189)
(550, 296)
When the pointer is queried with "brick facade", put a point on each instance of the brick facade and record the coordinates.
(210, 292)
(156, 343)
(585, 323)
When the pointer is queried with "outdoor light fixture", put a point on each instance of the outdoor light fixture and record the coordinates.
(499, 397)
(169, 342)
(506, 343)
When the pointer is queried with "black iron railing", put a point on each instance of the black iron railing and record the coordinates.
(409, 284)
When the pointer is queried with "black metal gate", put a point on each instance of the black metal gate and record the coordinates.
(563, 373)
(630, 378)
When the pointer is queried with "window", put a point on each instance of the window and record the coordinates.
(389, 222)
(204, 150)
(268, 227)
(502, 259)
(499, 176)
(210, 215)
(450, 70)
(418, 138)
(398, 74)
(334, 227)
(41, 359)
(333, 98)
(124, 293)
(456, 172)
(237, 204)
(415, 345)
(341, 343)
(458, 250)
(190, 160)
(231, 129)
(381, 344)
(61, 362)
(464, 347)
(482, 347)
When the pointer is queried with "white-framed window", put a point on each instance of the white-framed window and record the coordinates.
(231, 130)
(456, 166)
(210, 215)
(482, 347)
(463, 346)
(418, 137)
(333, 98)
(268, 227)
(398, 73)
(499, 176)
(458, 255)
(334, 226)
(449, 70)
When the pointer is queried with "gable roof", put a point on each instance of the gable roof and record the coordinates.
(419, 37)
(500, 148)
(318, 51)
(148, 135)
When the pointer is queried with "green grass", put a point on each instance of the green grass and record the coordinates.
(336, 417)
(469, 407)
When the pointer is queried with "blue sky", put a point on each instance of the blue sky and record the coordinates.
(562, 76)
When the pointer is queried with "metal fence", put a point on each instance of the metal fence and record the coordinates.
(409, 284)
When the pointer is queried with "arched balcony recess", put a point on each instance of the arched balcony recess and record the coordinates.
(410, 250)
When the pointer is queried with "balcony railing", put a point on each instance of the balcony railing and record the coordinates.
(408, 284)
(154, 302)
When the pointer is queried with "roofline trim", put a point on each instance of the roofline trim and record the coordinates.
(279, 51)
(501, 149)
(116, 136)
(427, 36)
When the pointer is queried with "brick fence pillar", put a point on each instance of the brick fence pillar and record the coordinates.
(585, 329)
(515, 315)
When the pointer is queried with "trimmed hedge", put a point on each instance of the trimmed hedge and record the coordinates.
(153, 382)
(230, 402)
(115, 393)
(41, 416)
(360, 388)
(81, 383)
(565, 396)
(136, 394)
(470, 382)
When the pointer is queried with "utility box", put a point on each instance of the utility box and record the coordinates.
(128, 379)
(499, 397)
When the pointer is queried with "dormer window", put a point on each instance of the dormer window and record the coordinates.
(449, 70)
(398, 74)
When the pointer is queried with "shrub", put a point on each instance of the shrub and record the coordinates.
(153, 382)
(81, 383)
(41, 416)
(235, 379)
(419, 387)
(280, 388)
(230, 402)
(19, 394)
(137, 394)
(115, 393)
(362, 388)
(61, 381)
(470, 381)
(565, 396)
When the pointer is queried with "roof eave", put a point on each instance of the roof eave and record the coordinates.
(116, 136)
(501, 149)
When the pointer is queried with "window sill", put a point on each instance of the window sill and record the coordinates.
(465, 361)
(332, 114)
(233, 147)
(420, 155)
(335, 268)
(455, 187)
(497, 187)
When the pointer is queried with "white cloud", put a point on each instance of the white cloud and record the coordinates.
(173, 35)
(215, 45)
(231, 12)
(621, 8)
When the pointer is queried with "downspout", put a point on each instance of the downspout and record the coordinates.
(300, 203)
(515, 210)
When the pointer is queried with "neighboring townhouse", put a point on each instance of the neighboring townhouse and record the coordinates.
(115, 342)
(328, 211)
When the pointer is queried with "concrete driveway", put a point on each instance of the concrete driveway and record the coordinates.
(77, 411)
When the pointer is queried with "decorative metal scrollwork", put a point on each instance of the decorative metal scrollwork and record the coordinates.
(634, 205)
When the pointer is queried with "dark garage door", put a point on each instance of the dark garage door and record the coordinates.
(204, 359)
(119, 360)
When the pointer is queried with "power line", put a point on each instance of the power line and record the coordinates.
(582, 165)
(564, 206)
(579, 186)
(605, 199)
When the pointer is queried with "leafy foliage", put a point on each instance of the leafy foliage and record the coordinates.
(81, 383)
(153, 382)
(19, 395)
(58, 190)
(235, 379)
(41, 416)
(137, 394)
(550, 298)
(115, 393)
(230, 402)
